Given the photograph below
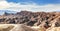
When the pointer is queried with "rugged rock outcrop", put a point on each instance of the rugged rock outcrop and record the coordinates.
(41, 19)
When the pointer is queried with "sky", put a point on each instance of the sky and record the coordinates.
(30, 5)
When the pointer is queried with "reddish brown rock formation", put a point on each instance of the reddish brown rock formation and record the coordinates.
(44, 19)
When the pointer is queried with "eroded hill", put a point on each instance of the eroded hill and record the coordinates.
(42, 19)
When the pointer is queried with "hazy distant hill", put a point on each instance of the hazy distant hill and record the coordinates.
(7, 11)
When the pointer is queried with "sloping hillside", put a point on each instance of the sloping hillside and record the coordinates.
(41, 19)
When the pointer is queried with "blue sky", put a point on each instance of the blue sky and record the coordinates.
(39, 2)
(30, 5)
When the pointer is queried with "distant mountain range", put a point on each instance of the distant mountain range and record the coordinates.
(14, 12)
(7, 11)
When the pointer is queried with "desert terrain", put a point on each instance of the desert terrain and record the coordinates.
(30, 21)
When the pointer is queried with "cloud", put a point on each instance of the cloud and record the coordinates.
(4, 5)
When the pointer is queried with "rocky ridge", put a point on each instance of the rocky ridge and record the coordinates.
(42, 19)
